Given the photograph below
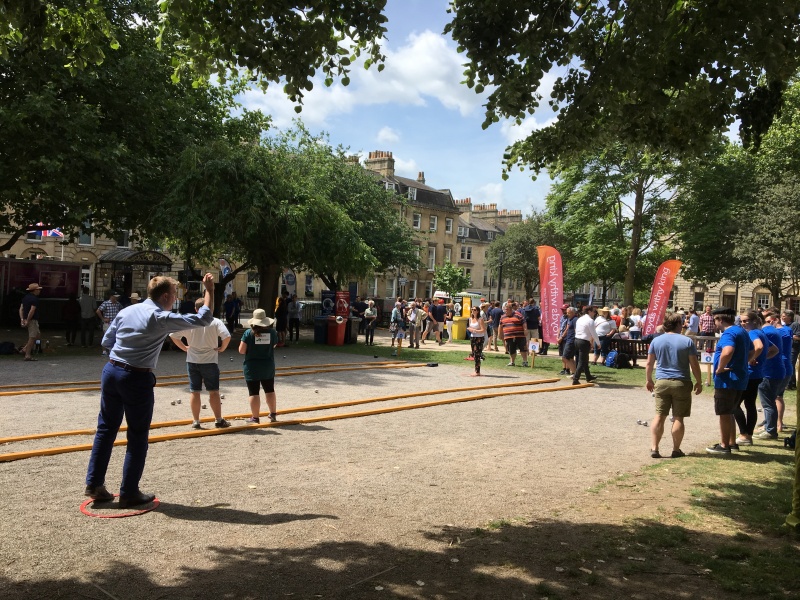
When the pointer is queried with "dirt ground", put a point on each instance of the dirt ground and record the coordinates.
(482, 499)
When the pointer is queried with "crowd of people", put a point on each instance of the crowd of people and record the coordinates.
(754, 358)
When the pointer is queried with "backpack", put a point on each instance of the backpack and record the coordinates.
(618, 360)
(8, 348)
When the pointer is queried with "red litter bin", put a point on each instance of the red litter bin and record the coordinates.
(337, 326)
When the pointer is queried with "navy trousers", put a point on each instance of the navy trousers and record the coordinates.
(128, 394)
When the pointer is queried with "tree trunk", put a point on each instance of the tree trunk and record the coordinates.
(270, 287)
(636, 242)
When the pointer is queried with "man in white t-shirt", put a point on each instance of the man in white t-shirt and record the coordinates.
(202, 363)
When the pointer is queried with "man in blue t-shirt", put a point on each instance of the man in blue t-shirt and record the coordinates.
(734, 351)
(674, 357)
(773, 382)
(764, 349)
(495, 314)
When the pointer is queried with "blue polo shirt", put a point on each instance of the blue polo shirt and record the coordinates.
(737, 377)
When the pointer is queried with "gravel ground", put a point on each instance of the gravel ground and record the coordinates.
(332, 509)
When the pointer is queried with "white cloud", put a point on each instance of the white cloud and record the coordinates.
(387, 135)
(491, 193)
(406, 168)
(426, 68)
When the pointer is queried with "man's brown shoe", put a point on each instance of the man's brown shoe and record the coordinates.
(98, 493)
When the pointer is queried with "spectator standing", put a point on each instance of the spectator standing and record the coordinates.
(707, 325)
(533, 317)
(88, 317)
(774, 375)
(108, 311)
(134, 340)
(371, 317)
(203, 347)
(635, 330)
(233, 307)
(495, 314)
(29, 318)
(282, 318)
(295, 310)
(357, 310)
(397, 325)
(71, 315)
(135, 298)
(605, 328)
(514, 334)
(692, 323)
(794, 325)
(258, 346)
(746, 419)
(413, 315)
(734, 351)
(438, 313)
(448, 321)
(477, 329)
(786, 353)
(673, 357)
(566, 341)
(585, 337)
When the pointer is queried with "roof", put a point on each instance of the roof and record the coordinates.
(426, 195)
(136, 257)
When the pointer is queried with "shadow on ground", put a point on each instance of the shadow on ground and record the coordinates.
(553, 559)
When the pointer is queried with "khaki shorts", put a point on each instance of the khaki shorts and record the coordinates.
(33, 329)
(675, 394)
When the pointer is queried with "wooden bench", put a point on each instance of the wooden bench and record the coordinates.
(636, 349)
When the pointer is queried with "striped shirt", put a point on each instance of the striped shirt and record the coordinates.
(110, 309)
(513, 326)
(707, 323)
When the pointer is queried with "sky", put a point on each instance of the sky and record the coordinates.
(417, 109)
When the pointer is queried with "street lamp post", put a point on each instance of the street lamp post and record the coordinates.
(500, 274)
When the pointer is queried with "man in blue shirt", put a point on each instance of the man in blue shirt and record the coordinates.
(134, 340)
(773, 382)
(734, 351)
(673, 356)
(764, 350)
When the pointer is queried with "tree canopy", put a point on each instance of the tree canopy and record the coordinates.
(614, 207)
(274, 42)
(662, 73)
(98, 143)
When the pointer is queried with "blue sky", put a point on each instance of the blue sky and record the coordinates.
(418, 109)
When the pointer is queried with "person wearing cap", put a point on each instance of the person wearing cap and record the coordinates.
(734, 351)
(202, 349)
(29, 319)
(108, 310)
(258, 346)
(134, 340)
(135, 298)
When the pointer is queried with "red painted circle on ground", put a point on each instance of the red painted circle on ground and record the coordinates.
(116, 515)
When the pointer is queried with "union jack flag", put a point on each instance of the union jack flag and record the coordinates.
(41, 229)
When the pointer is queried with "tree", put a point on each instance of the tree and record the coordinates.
(663, 73)
(285, 201)
(451, 279)
(518, 246)
(613, 206)
(101, 143)
(370, 237)
(768, 251)
(712, 190)
(273, 41)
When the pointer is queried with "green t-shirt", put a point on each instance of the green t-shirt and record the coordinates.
(259, 361)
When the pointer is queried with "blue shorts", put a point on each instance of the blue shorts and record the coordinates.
(200, 373)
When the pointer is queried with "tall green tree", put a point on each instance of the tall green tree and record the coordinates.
(518, 248)
(662, 73)
(451, 279)
(613, 206)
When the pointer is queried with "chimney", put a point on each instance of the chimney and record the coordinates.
(421, 177)
(380, 162)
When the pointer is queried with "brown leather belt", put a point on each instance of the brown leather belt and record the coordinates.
(127, 367)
